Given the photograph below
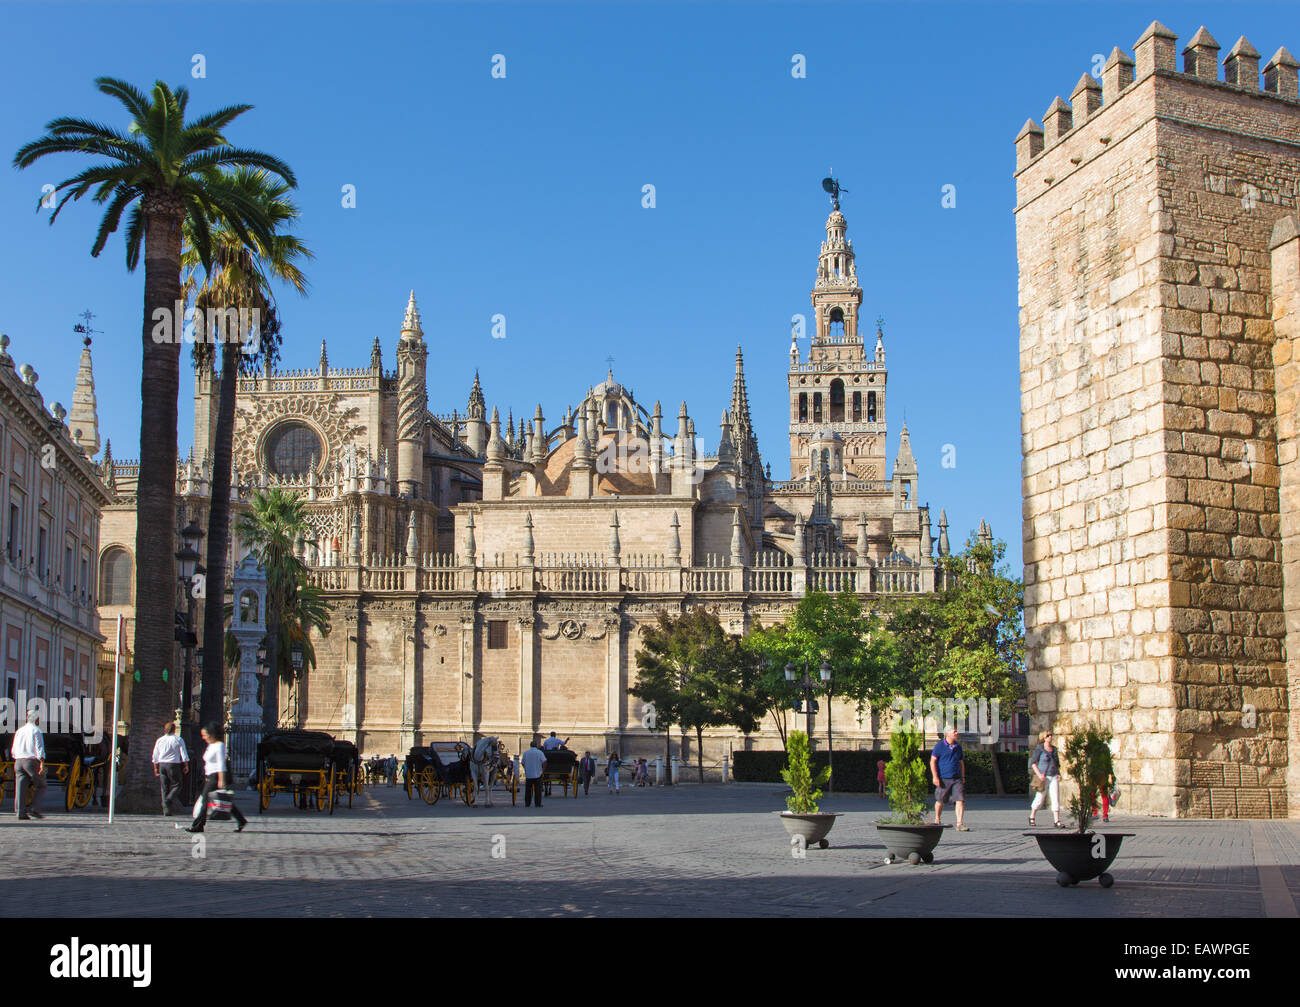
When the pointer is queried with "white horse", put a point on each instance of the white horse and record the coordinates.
(484, 765)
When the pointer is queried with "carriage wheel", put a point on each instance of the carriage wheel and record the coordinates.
(85, 790)
(266, 788)
(69, 776)
(514, 788)
(430, 787)
(325, 792)
(573, 781)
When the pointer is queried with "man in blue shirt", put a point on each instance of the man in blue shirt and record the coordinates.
(948, 767)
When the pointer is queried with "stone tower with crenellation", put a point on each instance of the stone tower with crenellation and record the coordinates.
(1153, 229)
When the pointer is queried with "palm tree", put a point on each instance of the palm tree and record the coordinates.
(240, 277)
(272, 527)
(167, 173)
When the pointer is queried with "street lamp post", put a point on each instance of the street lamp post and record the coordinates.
(296, 656)
(807, 685)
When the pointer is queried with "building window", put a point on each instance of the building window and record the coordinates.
(871, 407)
(857, 407)
(15, 532)
(67, 568)
(803, 407)
(497, 634)
(115, 577)
(291, 449)
(42, 553)
(817, 407)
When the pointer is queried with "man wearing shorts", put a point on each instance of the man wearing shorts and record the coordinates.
(948, 767)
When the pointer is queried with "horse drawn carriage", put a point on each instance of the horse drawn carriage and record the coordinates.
(439, 770)
(561, 768)
(347, 770)
(69, 763)
(301, 763)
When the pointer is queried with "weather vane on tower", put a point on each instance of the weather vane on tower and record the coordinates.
(832, 186)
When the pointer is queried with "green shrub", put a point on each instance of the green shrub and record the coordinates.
(855, 771)
(801, 778)
(906, 778)
(1088, 760)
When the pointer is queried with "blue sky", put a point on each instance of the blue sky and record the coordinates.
(522, 196)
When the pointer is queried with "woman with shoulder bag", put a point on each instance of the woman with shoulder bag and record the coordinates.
(214, 768)
(1046, 779)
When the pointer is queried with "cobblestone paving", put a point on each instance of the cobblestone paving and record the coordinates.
(685, 851)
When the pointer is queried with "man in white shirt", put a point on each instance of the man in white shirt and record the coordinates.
(28, 751)
(171, 763)
(534, 763)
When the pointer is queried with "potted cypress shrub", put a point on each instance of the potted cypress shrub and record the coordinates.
(906, 833)
(803, 818)
(1082, 855)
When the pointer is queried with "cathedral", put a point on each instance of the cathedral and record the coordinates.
(492, 576)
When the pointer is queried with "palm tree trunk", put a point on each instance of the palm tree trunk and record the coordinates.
(271, 693)
(211, 693)
(155, 541)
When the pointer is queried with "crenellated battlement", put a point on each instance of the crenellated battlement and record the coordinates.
(1155, 54)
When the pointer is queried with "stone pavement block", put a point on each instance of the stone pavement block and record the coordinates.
(683, 851)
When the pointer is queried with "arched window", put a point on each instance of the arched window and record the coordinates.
(857, 407)
(836, 327)
(115, 577)
(837, 401)
(817, 407)
(291, 448)
(871, 407)
(803, 407)
(612, 421)
(248, 607)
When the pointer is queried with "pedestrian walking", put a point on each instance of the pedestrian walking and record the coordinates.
(214, 769)
(948, 767)
(611, 772)
(880, 778)
(534, 763)
(392, 769)
(28, 752)
(586, 770)
(171, 764)
(1046, 765)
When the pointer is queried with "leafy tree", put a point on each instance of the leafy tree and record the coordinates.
(836, 629)
(805, 785)
(167, 173)
(238, 277)
(694, 675)
(967, 640)
(272, 527)
(906, 778)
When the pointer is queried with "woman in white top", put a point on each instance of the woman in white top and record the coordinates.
(214, 769)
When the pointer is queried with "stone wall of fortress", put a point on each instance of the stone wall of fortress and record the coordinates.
(1154, 532)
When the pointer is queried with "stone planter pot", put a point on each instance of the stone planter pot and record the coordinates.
(811, 828)
(913, 843)
(1080, 857)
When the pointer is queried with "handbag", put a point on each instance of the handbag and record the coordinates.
(1035, 782)
(219, 803)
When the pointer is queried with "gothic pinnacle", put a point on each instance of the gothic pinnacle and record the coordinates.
(411, 322)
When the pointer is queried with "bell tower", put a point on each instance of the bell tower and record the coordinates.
(838, 390)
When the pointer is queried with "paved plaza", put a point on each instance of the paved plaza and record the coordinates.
(690, 850)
